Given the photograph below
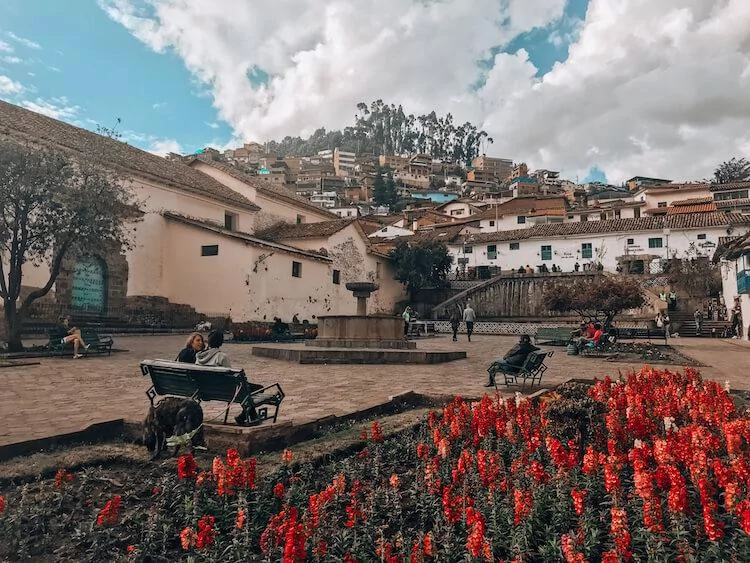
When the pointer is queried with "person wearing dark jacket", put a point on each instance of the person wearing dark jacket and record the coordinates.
(193, 345)
(513, 360)
(456, 318)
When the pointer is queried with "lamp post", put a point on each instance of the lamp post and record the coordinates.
(666, 236)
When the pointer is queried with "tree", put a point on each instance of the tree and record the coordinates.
(600, 299)
(379, 195)
(421, 265)
(391, 193)
(734, 170)
(695, 273)
(52, 208)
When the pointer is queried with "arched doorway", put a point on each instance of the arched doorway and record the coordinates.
(89, 288)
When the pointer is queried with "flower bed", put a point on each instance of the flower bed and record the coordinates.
(652, 468)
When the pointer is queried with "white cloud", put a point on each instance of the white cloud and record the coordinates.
(56, 108)
(656, 88)
(158, 105)
(4, 47)
(9, 86)
(11, 60)
(23, 41)
(212, 124)
(162, 147)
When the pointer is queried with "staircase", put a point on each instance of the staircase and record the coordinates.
(684, 324)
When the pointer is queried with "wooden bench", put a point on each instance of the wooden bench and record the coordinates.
(557, 336)
(207, 383)
(642, 333)
(421, 328)
(532, 369)
(96, 344)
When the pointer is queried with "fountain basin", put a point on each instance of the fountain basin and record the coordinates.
(358, 331)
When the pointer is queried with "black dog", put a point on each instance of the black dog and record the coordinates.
(172, 416)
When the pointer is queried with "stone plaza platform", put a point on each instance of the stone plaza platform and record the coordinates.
(356, 354)
(59, 395)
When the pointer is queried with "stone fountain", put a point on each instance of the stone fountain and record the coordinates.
(358, 339)
(361, 330)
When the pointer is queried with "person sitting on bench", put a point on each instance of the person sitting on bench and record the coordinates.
(213, 356)
(193, 345)
(513, 360)
(592, 341)
(68, 334)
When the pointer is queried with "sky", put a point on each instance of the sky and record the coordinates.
(598, 89)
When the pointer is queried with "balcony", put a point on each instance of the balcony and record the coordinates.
(743, 281)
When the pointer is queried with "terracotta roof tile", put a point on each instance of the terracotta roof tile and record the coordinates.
(742, 202)
(523, 206)
(264, 187)
(683, 221)
(22, 125)
(698, 208)
(693, 201)
(730, 186)
(321, 229)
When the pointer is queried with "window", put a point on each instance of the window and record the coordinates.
(492, 223)
(546, 252)
(702, 237)
(336, 277)
(468, 249)
(584, 218)
(586, 250)
(515, 245)
(570, 217)
(603, 216)
(661, 204)
(631, 241)
(521, 219)
(230, 221)
(300, 219)
(296, 269)
(637, 212)
(377, 270)
(617, 214)
(491, 251)
(655, 242)
(210, 250)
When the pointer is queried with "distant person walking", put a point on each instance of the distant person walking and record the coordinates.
(469, 318)
(407, 320)
(456, 317)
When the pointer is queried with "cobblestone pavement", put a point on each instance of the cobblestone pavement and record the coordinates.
(64, 395)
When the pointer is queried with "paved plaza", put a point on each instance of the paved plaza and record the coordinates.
(64, 395)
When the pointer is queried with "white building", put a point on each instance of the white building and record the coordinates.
(349, 212)
(344, 163)
(390, 232)
(636, 245)
(327, 200)
(735, 275)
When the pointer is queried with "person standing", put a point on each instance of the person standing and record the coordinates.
(576, 266)
(456, 317)
(407, 319)
(698, 317)
(672, 305)
(469, 318)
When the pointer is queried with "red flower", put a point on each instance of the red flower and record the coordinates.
(619, 531)
(578, 497)
(61, 477)
(377, 432)
(2, 504)
(109, 515)
(278, 490)
(428, 550)
(233, 457)
(423, 450)
(743, 511)
(186, 467)
(287, 456)
(475, 523)
(155, 491)
(522, 505)
(395, 481)
(568, 547)
(206, 532)
(131, 548)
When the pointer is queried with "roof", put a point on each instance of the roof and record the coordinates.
(741, 202)
(635, 178)
(732, 248)
(681, 221)
(524, 206)
(693, 201)
(667, 188)
(696, 208)
(730, 186)
(322, 229)
(22, 125)
(253, 241)
(263, 187)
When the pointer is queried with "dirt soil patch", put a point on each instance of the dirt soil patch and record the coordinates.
(652, 354)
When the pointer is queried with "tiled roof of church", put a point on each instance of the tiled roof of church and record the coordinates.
(24, 126)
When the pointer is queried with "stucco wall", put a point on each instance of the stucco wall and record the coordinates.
(567, 251)
(349, 253)
(729, 291)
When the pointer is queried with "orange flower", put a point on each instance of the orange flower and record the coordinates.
(395, 481)
(287, 456)
(187, 538)
(240, 519)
